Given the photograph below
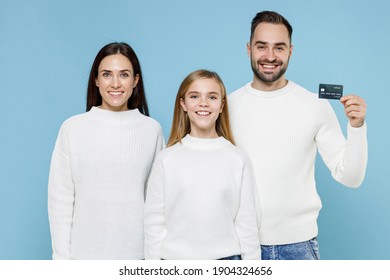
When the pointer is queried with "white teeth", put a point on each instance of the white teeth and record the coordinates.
(115, 93)
(203, 113)
(269, 66)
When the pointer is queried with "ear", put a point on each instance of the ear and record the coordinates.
(248, 49)
(222, 105)
(96, 82)
(291, 50)
(136, 79)
(183, 105)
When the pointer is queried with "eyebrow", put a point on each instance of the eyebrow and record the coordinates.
(123, 70)
(197, 92)
(276, 44)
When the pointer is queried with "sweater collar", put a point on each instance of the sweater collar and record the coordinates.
(269, 94)
(107, 115)
(204, 143)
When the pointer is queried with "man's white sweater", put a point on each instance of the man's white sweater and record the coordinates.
(281, 131)
(200, 203)
(100, 165)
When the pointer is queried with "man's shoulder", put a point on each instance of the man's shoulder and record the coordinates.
(237, 97)
(307, 100)
(238, 92)
(297, 88)
(303, 93)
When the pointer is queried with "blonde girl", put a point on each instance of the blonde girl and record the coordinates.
(200, 200)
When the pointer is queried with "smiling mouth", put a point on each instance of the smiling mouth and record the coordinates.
(268, 66)
(115, 93)
(202, 113)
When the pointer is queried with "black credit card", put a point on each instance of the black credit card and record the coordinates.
(329, 91)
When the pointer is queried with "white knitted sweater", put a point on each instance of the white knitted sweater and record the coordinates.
(100, 165)
(281, 132)
(200, 203)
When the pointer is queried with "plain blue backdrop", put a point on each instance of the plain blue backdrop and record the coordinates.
(47, 48)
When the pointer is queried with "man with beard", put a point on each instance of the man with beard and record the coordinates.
(281, 125)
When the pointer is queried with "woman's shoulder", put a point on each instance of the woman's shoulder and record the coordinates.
(75, 119)
(149, 121)
(72, 124)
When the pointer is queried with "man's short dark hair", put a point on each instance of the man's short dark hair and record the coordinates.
(270, 17)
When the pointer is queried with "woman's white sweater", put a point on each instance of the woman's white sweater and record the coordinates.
(100, 165)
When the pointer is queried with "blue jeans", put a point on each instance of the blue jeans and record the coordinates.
(307, 250)
(235, 257)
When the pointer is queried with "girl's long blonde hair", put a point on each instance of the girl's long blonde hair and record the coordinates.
(181, 123)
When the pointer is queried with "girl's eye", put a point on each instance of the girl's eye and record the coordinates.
(125, 75)
(106, 74)
(193, 96)
(213, 97)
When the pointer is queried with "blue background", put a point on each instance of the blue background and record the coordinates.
(47, 48)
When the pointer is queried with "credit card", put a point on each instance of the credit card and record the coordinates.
(329, 91)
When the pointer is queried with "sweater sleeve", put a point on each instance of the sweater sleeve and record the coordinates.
(346, 159)
(159, 145)
(248, 216)
(155, 230)
(61, 198)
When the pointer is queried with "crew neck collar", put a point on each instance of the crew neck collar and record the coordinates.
(108, 115)
(204, 143)
(269, 94)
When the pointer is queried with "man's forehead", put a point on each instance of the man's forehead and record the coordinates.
(271, 33)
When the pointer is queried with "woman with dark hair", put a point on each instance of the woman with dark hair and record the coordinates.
(137, 99)
(101, 162)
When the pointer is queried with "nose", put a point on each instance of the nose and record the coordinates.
(270, 54)
(115, 81)
(203, 102)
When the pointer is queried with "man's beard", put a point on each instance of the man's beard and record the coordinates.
(266, 77)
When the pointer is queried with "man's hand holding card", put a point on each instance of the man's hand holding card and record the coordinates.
(354, 106)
